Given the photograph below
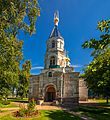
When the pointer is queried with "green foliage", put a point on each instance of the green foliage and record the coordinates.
(24, 100)
(27, 111)
(22, 111)
(24, 78)
(13, 13)
(5, 102)
(31, 106)
(14, 16)
(97, 73)
(100, 45)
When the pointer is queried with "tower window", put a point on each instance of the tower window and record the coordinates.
(61, 45)
(50, 74)
(52, 60)
(53, 44)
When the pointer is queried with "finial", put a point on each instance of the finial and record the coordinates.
(56, 18)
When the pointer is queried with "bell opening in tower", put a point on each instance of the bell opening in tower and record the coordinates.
(53, 44)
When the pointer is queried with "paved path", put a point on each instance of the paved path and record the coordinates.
(39, 107)
(8, 111)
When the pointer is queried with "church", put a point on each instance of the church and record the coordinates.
(57, 82)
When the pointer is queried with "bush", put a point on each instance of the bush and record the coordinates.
(27, 111)
(31, 106)
(5, 102)
(22, 112)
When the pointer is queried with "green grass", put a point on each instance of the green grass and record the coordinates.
(100, 100)
(1, 111)
(24, 100)
(11, 105)
(46, 115)
(95, 112)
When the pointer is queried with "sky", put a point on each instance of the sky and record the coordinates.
(78, 22)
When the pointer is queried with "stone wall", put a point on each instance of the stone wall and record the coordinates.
(83, 90)
(71, 91)
(34, 87)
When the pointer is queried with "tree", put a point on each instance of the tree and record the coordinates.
(15, 15)
(24, 78)
(97, 73)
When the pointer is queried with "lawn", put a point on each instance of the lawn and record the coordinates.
(100, 100)
(11, 105)
(10, 100)
(99, 111)
(46, 115)
(95, 112)
(24, 100)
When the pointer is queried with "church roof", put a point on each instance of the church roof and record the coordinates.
(55, 32)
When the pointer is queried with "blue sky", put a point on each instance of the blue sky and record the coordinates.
(78, 20)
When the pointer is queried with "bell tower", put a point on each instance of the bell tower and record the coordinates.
(55, 53)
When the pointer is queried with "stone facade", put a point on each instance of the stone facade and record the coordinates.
(57, 81)
(83, 90)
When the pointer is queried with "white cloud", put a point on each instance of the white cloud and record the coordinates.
(36, 68)
(76, 66)
(34, 73)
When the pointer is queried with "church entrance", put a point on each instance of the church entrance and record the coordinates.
(50, 93)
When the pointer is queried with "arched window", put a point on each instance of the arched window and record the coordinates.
(50, 74)
(52, 60)
(53, 44)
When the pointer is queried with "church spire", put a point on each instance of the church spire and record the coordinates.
(55, 32)
(56, 18)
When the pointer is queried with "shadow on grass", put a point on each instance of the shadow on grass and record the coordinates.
(60, 115)
(95, 112)
(18, 100)
(100, 116)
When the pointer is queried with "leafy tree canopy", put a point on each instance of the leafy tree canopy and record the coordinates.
(104, 41)
(24, 79)
(15, 15)
(97, 73)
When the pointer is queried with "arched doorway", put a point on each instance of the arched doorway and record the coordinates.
(50, 93)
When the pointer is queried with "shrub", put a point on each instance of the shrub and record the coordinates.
(22, 112)
(5, 102)
(27, 111)
(31, 106)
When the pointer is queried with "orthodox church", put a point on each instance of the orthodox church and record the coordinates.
(57, 82)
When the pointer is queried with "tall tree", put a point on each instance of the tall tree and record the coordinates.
(24, 78)
(97, 73)
(15, 15)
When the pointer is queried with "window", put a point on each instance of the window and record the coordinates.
(52, 60)
(50, 74)
(61, 45)
(53, 44)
